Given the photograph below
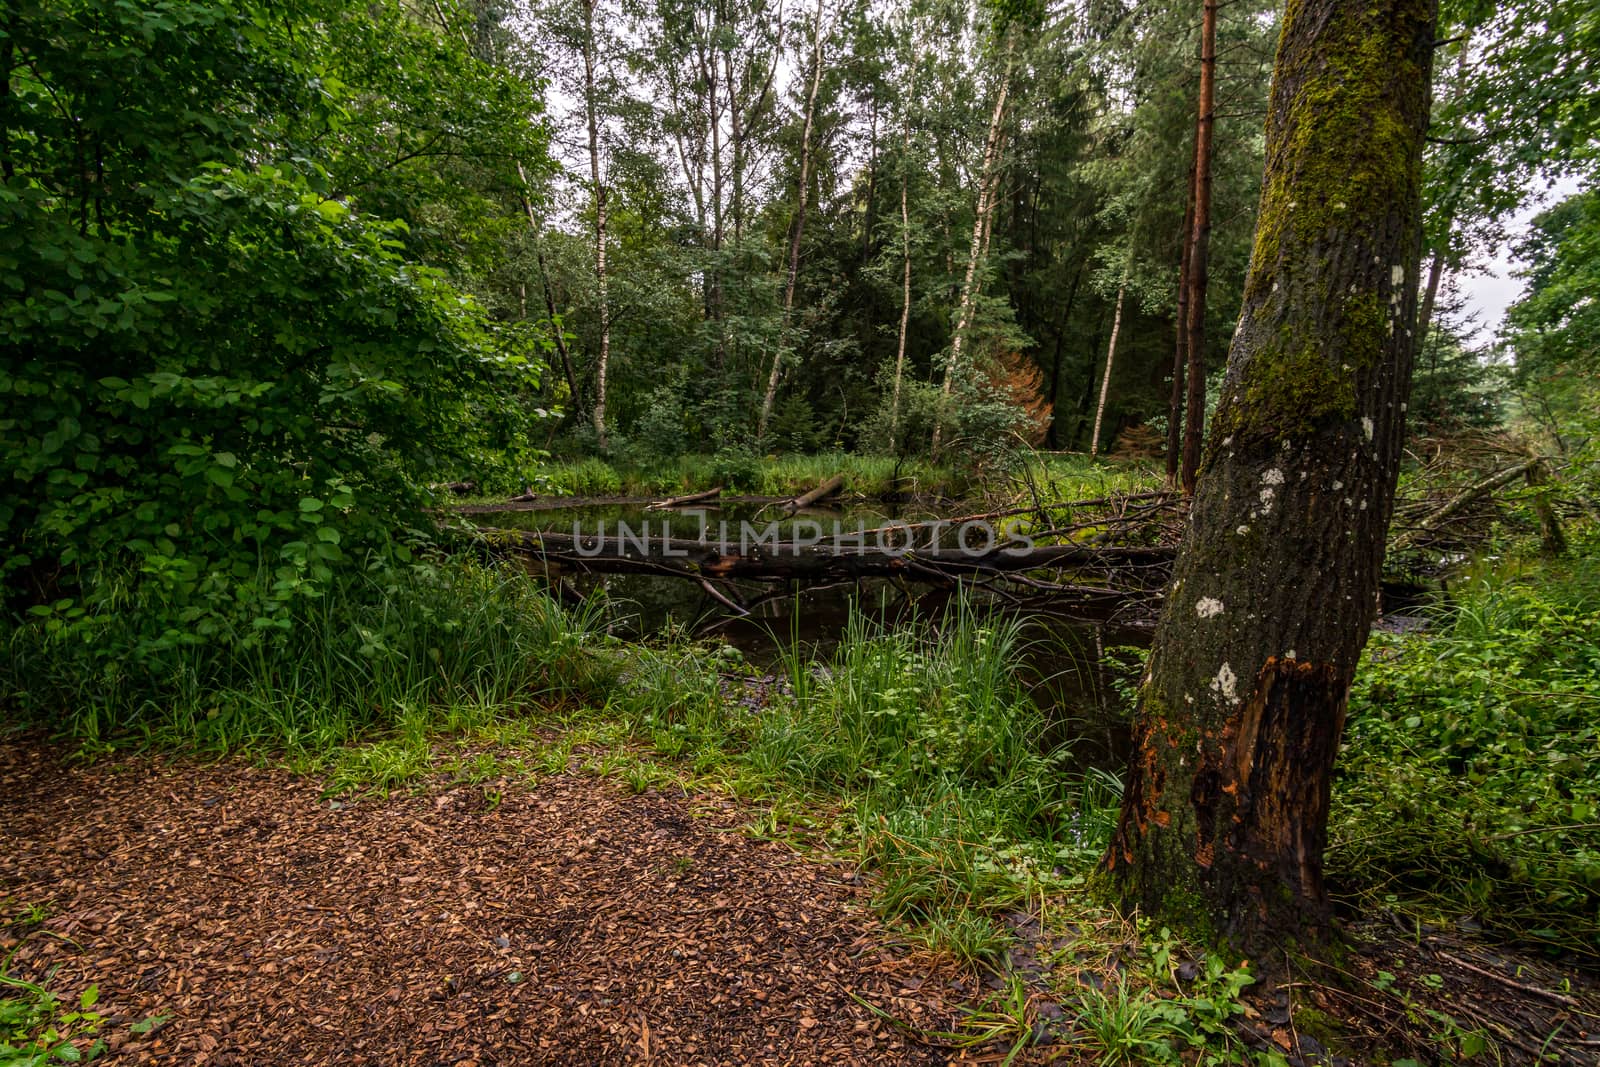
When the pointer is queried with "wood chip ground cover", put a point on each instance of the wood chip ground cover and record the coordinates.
(569, 922)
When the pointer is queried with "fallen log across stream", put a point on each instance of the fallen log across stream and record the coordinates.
(1106, 573)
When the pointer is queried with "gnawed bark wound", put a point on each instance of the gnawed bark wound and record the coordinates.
(1292, 719)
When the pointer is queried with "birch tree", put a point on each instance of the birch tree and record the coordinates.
(798, 227)
(988, 173)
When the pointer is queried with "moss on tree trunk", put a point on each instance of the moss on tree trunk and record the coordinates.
(1242, 707)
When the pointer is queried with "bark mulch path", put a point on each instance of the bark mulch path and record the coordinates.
(567, 923)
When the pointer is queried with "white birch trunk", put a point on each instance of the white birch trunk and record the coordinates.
(798, 229)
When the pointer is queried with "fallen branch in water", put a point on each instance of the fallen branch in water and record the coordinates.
(805, 500)
(682, 501)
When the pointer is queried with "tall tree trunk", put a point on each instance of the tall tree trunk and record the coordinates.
(1054, 436)
(1447, 222)
(711, 74)
(871, 207)
(603, 358)
(1111, 355)
(1224, 817)
(1087, 399)
(1429, 293)
(1180, 355)
(980, 229)
(798, 229)
(562, 352)
(736, 142)
(1195, 409)
(905, 280)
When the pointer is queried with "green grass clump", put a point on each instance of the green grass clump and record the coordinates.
(391, 654)
(1054, 477)
(1470, 783)
(928, 746)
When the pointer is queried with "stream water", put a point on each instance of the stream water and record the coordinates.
(1070, 664)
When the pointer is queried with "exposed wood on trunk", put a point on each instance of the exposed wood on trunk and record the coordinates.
(1195, 344)
(1111, 355)
(1242, 705)
(826, 489)
(797, 230)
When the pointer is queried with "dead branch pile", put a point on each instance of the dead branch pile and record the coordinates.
(1108, 552)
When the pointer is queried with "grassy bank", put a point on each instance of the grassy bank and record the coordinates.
(916, 754)
(1056, 477)
(1467, 788)
(924, 745)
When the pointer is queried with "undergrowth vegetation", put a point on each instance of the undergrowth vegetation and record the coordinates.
(930, 749)
(1467, 788)
(399, 644)
(915, 751)
(1470, 782)
(1054, 477)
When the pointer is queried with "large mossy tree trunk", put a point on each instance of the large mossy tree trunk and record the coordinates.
(1224, 817)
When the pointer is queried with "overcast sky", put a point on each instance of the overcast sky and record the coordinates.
(1491, 291)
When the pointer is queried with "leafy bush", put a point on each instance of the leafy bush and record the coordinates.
(1470, 784)
(660, 432)
(223, 381)
(737, 469)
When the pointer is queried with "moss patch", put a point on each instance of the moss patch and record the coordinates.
(1344, 143)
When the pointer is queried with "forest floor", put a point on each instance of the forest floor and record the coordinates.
(567, 923)
(571, 921)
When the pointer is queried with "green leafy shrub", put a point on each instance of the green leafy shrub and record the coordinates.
(1470, 782)
(736, 468)
(223, 380)
(660, 432)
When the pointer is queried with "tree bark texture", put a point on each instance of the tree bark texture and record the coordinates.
(1224, 817)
